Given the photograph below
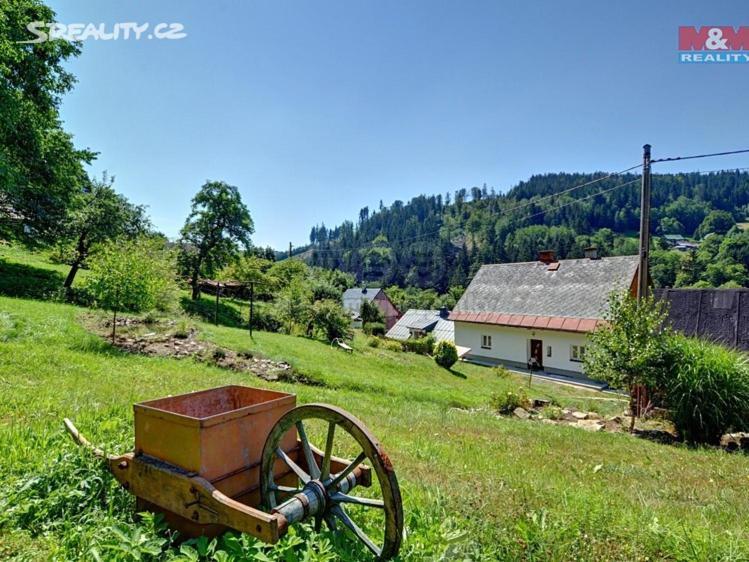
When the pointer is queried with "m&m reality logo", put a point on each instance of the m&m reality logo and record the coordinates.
(719, 44)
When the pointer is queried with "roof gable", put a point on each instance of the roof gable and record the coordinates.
(443, 329)
(352, 298)
(578, 288)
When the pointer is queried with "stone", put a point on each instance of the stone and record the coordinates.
(580, 415)
(590, 425)
(541, 402)
(594, 416)
(521, 413)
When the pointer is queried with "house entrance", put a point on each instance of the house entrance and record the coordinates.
(537, 354)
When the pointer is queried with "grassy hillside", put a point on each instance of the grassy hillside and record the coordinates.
(475, 486)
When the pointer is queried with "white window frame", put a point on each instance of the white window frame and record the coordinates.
(577, 353)
(486, 341)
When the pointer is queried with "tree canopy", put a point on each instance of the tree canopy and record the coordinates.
(41, 170)
(219, 222)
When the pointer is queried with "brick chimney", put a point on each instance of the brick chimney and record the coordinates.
(591, 253)
(546, 256)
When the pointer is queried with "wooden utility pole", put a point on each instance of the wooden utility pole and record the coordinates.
(252, 305)
(289, 250)
(642, 282)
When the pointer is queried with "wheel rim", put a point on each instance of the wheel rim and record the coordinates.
(326, 495)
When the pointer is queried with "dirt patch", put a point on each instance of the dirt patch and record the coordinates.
(168, 339)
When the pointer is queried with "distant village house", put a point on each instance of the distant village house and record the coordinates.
(539, 314)
(416, 323)
(353, 299)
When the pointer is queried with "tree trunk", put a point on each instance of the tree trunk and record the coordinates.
(71, 274)
(634, 399)
(81, 252)
(114, 325)
(195, 282)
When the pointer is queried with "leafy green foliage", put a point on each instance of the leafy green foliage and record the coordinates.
(439, 242)
(217, 223)
(40, 169)
(370, 313)
(707, 389)
(445, 354)
(422, 346)
(505, 403)
(630, 349)
(374, 328)
(96, 215)
(331, 320)
(132, 276)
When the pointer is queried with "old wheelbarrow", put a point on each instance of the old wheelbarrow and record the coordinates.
(240, 458)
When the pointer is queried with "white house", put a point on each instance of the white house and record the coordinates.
(539, 313)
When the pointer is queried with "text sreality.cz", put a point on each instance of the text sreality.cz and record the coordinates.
(714, 44)
(98, 32)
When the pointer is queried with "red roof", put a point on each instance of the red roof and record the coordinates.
(560, 323)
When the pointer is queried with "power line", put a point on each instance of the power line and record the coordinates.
(674, 158)
(581, 199)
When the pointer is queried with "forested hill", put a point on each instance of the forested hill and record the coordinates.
(439, 241)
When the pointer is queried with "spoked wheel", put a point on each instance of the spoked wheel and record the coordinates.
(325, 482)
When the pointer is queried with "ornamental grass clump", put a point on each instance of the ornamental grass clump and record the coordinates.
(707, 390)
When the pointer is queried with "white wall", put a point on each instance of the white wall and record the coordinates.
(513, 344)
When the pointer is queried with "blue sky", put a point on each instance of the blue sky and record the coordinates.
(316, 109)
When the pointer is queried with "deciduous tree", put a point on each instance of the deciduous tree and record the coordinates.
(217, 224)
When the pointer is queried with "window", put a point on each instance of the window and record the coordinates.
(577, 352)
(548, 351)
(486, 342)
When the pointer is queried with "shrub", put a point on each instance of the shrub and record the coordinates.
(445, 354)
(374, 342)
(501, 371)
(506, 403)
(422, 346)
(374, 328)
(392, 345)
(331, 320)
(553, 412)
(629, 350)
(707, 390)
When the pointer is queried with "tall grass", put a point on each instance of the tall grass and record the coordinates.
(707, 390)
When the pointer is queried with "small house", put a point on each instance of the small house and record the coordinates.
(416, 323)
(353, 299)
(539, 314)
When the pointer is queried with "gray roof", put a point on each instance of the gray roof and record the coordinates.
(413, 318)
(718, 315)
(352, 298)
(578, 288)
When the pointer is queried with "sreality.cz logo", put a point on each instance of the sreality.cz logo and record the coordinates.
(719, 44)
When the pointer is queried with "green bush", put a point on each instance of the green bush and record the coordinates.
(707, 390)
(506, 403)
(392, 345)
(374, 329)
(445, 354)
(330, 320)
(501, 371)
(422, 346)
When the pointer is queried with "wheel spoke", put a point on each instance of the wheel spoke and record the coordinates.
(310, 458)
(368, 502)
(328, 453)
(303, 476)
(285, 489)
(361, 535)
(330, 521)
(346, 471)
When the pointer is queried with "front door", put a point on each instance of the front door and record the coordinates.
(537, 352)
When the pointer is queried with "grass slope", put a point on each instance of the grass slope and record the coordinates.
(474, 486)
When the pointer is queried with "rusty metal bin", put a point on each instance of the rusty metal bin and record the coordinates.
(218, 434)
